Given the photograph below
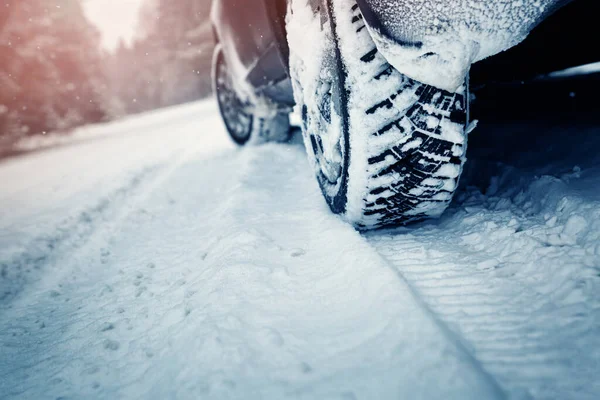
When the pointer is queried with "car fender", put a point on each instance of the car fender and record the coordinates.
(252, 39)
(436, 41)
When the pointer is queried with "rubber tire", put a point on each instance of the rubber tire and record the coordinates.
(404, 143)
(268, 125)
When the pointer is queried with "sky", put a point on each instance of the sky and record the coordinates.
(115, 18)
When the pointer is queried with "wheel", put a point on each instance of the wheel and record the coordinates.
(248, 121)
(386, 150)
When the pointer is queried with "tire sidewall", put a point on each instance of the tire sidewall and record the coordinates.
(217, 63)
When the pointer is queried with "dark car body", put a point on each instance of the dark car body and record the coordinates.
(252, 35)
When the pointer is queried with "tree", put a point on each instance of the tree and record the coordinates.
(50, 70)
(170, 59)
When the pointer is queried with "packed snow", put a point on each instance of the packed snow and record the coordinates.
(156, 260)
(514, 265)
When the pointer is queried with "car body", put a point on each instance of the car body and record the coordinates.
(437, 41)
(252, 33)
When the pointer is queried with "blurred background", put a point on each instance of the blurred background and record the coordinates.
(66, 63)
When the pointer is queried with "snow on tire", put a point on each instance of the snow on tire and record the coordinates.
(386, 150)
(246, 122)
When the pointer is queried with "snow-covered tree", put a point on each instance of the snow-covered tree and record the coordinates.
(51, 77)
(54, 75)
(169, 60)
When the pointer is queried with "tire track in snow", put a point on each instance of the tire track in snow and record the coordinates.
(216, 297)
(516, 277)
(38, 324)
(76, 231)
(72, 233)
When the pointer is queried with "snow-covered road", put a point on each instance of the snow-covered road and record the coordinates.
(156, 260)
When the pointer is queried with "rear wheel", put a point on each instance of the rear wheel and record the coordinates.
(246, 121)
(386, 150)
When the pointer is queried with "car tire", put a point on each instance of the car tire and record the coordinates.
(386, 150)
(247, 122)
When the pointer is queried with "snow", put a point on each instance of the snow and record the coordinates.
(154, 264)
(513, 266)
(592, 68)
(91, 132)
(436, 41)
(156, 260)
(311, 50)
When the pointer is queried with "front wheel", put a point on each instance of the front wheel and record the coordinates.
(386, 150)
(246, 121)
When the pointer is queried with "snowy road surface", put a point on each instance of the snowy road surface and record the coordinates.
(158, 261)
